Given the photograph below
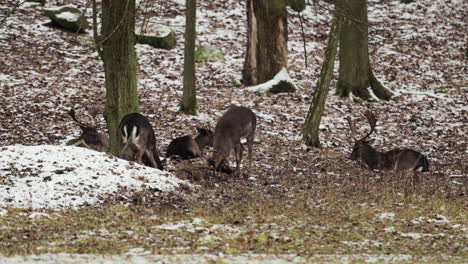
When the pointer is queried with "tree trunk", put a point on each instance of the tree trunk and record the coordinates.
(189, 101)
(310, 131)
(356, 78)
(267, 38)
(119, 63)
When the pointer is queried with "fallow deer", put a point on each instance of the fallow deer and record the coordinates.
(396, 159)
(238, 122)
(137, 140)
(90, 137)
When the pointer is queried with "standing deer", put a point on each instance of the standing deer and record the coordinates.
(238, 122)
(90, 137)
(396, 159)
(137, 141)
(188, 148)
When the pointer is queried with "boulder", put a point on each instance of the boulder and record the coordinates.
(155, 35)
(208, 53)
(67, 17)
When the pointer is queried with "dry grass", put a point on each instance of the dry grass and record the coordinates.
(310, 215)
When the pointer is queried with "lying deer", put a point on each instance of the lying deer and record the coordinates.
(188, 148)
(137, 141)
(90, 137)
(396, 159)
(238, 122)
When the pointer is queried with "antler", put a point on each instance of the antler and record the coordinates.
(83, 127)
(372, 121)
(352, 127)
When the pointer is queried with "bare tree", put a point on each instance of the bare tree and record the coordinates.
(310, 131)
(267, 37)
(355, 74)
(189, 100)
(118, 49)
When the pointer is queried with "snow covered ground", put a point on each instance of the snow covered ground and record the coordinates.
(54, 177)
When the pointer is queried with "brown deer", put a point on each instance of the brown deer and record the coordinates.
(188, 148)
(238, 122)
(396, 159)
(137, 140)
(90, 137)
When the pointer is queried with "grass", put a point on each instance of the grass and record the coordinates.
(426, 216)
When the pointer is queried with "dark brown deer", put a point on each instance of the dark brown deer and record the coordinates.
(238, 122)
(396, 159)
(137, 141)
(90, 137)
(188, 148)
(204, 138)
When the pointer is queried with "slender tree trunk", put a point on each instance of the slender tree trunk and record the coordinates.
(310, 131)
(119, 63)
(267, 38)
(355, 74)
(189, 101)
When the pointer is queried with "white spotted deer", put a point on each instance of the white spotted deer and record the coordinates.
(395, 159)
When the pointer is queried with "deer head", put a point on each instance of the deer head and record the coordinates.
(90, 137)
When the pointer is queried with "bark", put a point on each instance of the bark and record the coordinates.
(189, 101)
(118, 49)
(310, 131)
(267, 38)
(355, 72)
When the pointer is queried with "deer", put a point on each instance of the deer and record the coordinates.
(187, 147)
(393, 160)
(236, 123)
(90, 137)
(137, 141)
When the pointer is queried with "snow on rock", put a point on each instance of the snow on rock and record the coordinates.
(62, 176)
(266, 86)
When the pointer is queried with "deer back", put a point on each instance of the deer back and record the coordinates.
(238, 122)
(185, 147)
(408, 159)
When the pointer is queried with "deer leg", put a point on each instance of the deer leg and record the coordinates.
(81, 142)
(150, 156)
(123, 151)
(238, 156)
(250, 140)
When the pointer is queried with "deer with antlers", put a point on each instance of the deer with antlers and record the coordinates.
(90, 137)
(395, 159)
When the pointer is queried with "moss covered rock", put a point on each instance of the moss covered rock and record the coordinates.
(208, 53)
(156, 35)
(67, 17)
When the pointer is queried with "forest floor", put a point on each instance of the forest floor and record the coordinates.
(302, 204)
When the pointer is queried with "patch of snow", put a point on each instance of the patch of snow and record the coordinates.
(3, 212)
(4, 77)
(138, 251)
(266, 86)
(65, 176)
(38, 215)
(69, 16)
(372, 95)
(387, 216)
